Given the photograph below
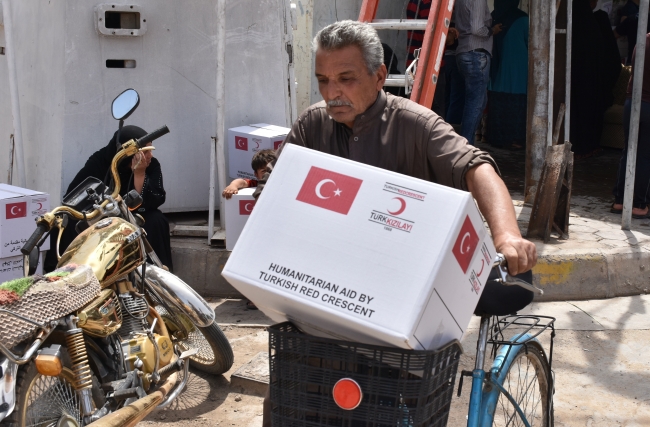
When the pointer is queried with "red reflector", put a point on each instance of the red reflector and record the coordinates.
(347, 394)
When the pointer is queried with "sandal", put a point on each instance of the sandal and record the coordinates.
(635, 216)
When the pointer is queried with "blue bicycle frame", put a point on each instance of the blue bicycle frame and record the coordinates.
(483, 399)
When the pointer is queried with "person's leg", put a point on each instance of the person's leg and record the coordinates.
(619, 187)
(475, 68)
(456, 89)
(641, 197)
(642, 173)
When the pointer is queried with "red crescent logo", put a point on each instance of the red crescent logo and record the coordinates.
(40, 206)
(482, 267)
(402, 206)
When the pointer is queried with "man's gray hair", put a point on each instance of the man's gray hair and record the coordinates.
(352, 33)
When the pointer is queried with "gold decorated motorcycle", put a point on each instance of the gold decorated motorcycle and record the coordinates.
(107, 337)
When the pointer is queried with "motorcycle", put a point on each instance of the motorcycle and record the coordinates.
(107, 337)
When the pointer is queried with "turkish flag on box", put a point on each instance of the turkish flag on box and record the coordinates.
(246, 206)
(16, 210)
(329, 190)
(241, 143)
(466, 244)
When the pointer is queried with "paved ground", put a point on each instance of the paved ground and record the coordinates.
(601, 363)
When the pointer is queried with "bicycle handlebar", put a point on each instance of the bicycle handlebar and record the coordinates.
(505, 278)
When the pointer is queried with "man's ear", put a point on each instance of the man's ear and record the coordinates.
(381, 74)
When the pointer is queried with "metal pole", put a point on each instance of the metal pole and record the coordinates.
(218, 146)
(213, 170)
(632, 142)
(538, 95)
(551, 72)
(567, 86)
(19, 156)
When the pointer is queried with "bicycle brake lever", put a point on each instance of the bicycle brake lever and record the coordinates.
(508, 280)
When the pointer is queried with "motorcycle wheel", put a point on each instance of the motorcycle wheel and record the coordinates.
(48, 401)
(214, 355)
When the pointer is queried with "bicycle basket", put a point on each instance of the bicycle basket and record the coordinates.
(400, 387)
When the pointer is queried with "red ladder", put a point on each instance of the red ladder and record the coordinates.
(433, 46)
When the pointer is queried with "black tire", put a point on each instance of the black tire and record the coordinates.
(214, 358)
(215, 353)
(527, 382)
(41, 398)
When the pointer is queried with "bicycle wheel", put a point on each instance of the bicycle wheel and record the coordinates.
(527, 382)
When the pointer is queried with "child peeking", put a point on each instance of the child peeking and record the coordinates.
(259, 162)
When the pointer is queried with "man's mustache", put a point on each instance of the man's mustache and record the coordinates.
(338, 103)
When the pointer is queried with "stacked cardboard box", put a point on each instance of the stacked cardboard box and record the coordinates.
(19, 207)
(245, 141)
(238, 209)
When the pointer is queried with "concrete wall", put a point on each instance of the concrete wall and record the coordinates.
(66, 89)
(5, 110)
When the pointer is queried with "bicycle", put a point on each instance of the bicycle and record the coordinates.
(407, 388)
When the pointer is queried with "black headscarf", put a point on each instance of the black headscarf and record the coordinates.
(505, 12)
(99, 163)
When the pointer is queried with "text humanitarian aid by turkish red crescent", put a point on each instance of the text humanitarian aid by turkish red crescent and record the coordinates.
(19, 207)
(238, 209)
(244, 141)
(363, 254)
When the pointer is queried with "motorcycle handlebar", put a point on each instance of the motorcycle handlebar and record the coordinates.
(34, 238)
(142, 142)
(46, 221)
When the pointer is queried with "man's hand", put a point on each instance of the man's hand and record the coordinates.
(452, 35)
(520, 253)
(495, 204)
(497, 29)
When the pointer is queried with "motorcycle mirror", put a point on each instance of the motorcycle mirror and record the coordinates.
(30, 262)
(125, 104)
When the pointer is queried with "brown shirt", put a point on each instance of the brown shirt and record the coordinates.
(395, 134)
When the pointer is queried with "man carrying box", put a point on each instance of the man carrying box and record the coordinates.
(357, 120)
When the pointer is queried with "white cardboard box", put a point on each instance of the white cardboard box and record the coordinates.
(12, 267)
(238, 209)
(355, 252)
(245, 141)
(19, 208)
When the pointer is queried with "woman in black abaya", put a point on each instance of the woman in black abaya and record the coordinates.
(141, 172)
